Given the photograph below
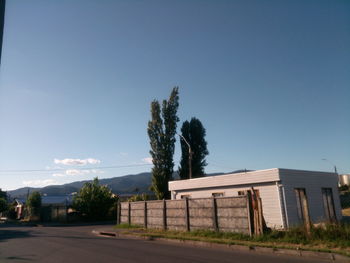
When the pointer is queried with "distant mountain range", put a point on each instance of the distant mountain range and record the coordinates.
(125, 185)
(128, 184)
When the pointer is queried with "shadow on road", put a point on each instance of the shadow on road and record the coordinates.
(12, 234)
(19, 258)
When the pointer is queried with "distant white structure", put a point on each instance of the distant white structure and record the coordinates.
(344, 179)
(285, 193)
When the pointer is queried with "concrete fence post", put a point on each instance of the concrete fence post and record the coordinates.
(145, 214)
(215, 215)
(118, 212)
(187, 215)
(164, 215)
(129, 213)
(250, 213)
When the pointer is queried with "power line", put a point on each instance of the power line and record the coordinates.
(64, 169)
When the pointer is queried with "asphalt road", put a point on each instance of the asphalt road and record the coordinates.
(77, 244)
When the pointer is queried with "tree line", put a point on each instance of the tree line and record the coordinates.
(162, 134)
(95, 201)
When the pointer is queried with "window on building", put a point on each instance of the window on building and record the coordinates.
(328, 204)
(217, 194)
(185, 196)
(256, 192)
(302, 204)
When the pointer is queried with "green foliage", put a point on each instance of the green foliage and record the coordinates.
(344, 188)
(326, 236)
(161, 131)
(3, 201)
(11, 214)
(194, 133)
(3, 205)
(94, 201)
(139, 197)
(34, 203)
(3, 194)
(345, 199)
(334, 235)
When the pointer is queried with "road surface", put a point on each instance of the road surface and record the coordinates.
(77, 244)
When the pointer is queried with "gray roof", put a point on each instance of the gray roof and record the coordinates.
(56, 199)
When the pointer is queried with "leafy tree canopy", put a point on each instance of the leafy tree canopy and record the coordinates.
(34, 203)
(194, 133)
(3, 194)
(3, 205)
(139, 197)
(94, 200)
(161, 132)
(34, 200)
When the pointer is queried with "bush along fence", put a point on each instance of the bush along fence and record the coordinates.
(228, 214)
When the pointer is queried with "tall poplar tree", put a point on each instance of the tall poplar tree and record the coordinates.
(161, 131)
(194, 133)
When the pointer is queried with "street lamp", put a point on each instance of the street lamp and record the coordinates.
(189, 156)
(335, 168)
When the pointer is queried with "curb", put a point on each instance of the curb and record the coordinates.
(334, 257)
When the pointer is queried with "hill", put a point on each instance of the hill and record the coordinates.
(128, 184)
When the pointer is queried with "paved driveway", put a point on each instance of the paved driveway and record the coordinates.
(77, 244)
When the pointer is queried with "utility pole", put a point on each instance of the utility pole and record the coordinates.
(190, 153)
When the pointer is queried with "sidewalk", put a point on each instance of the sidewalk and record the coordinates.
(139, 234)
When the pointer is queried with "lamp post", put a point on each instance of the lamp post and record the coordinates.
(189, 156)
(335, 168)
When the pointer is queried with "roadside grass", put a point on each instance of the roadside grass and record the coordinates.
(128, 226)
(326, 238)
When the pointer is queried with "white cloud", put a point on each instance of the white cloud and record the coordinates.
(59, 175)
(68, 161)
(123, 154)
(82, 172)
(76, 172)
(147, 160)
(39, 183)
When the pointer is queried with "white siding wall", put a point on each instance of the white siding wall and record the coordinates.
(313, 182)
(261, 176)
(268, 193)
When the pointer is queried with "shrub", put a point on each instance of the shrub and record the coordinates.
(3, 205)
(34, 203)
(139, 197)
(94, 201)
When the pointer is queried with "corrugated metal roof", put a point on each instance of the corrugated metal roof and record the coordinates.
(56, 199)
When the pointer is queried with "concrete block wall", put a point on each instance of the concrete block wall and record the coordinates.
(229, 214)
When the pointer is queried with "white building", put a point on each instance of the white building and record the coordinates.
(285, 193)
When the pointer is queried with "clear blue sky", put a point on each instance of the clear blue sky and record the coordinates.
(270, 81)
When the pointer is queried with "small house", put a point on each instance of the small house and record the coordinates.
(288, 196)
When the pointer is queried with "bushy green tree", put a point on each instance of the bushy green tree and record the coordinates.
(139, 197)
(3, 201)
(34, 203)
(94, 200)
(3, 194)
(161, 132)
(3, 205)
(194, 133)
